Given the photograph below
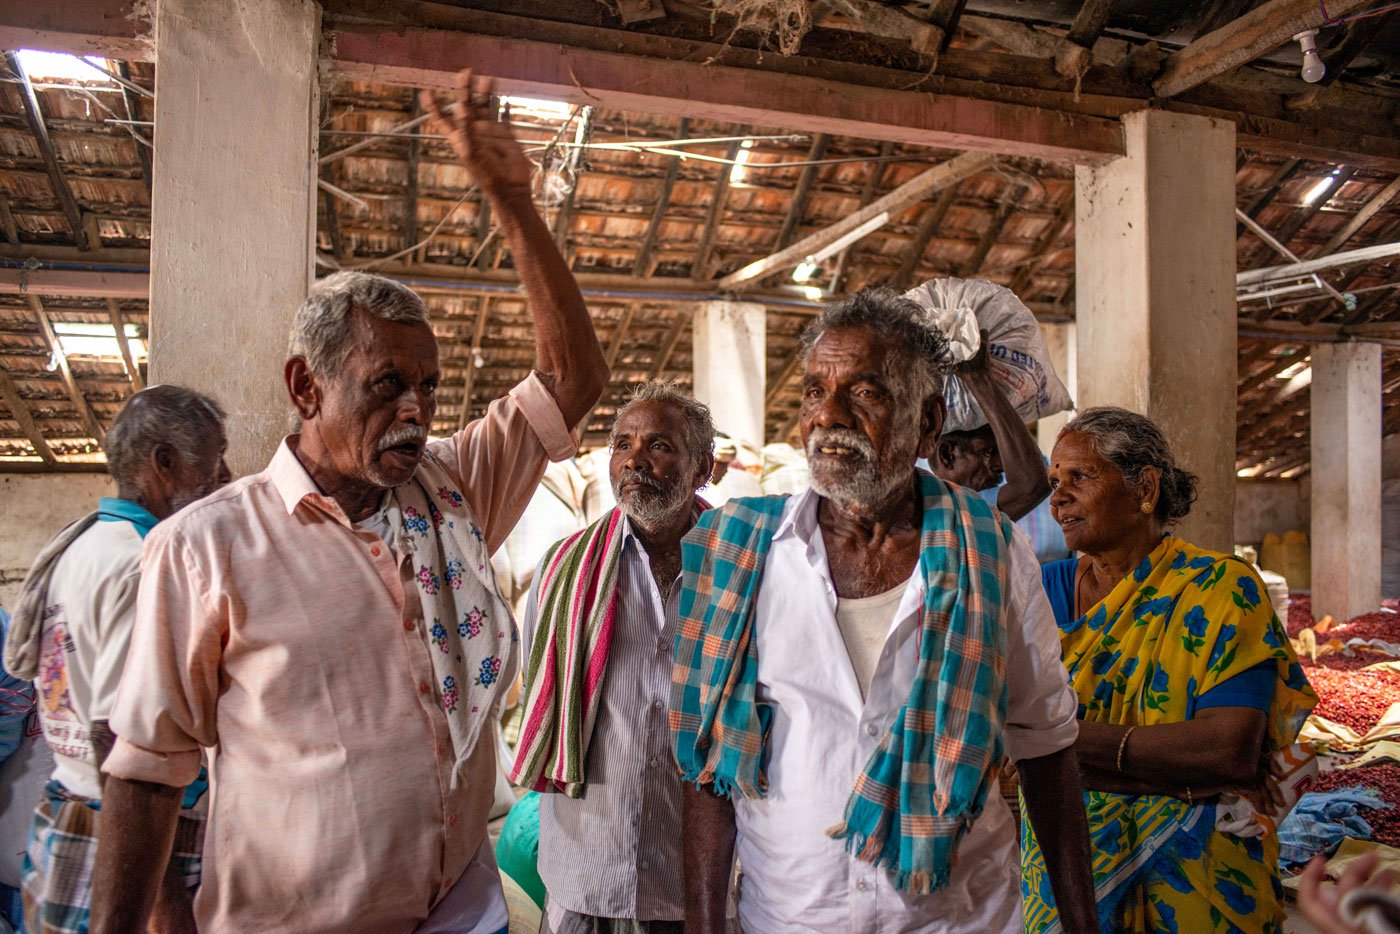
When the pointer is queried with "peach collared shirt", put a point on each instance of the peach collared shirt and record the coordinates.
(274, 634)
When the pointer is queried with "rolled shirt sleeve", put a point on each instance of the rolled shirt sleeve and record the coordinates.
(499, 459)
(1042, 711)
(168, 696)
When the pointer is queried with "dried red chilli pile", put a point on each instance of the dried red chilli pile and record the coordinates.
(1379, 625)
(1354, 698)
(1385, 779)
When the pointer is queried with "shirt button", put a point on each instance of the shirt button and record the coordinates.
(658, 704)
(375, 550)
(408, 625)
(662, 645)
(653, 762)
(644, 864)
(861, 885)
(422, 687)
(872, 729)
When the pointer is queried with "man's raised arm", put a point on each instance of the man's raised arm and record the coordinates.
(1026, 481)
(567, 354)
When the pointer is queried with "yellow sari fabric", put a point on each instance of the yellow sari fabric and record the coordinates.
(1185, 621)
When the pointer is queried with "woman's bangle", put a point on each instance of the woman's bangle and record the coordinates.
(1190, 801)
(1123, 747)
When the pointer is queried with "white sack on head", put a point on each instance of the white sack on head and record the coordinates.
(1019, 360)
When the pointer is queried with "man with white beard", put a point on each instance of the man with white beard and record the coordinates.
(598, 628)
(851, 664)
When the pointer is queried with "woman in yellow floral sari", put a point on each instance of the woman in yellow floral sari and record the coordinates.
(1186, 682)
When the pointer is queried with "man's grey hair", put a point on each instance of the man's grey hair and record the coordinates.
(898, 323)
(699, 426)
(180, 418)
(322, 326)
(1132, 443)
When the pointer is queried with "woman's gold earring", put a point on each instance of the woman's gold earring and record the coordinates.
(1146, 507)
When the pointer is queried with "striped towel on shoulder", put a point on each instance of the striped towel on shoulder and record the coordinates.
(928, 779)
(577, 609)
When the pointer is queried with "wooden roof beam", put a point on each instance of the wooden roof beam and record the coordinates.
(133, 112)
(1237, 43)
(1361, 218)
(645, 80)
(911, 192)
(973, 266)
(798, 205)
(1044, 244)
(34, 117)
(483, 314)
(21, 414)
(133, 373)
(663, 200)
(700, 267)
(1076, 52)
(929, 222)
(1308, 211)
(410, 195)
(65, 372)
(867, 195)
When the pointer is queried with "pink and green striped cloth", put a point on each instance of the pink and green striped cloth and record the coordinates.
(577, 610)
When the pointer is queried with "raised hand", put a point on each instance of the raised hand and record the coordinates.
(485, 144)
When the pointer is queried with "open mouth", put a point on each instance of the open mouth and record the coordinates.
(408, 452)
(837, 450)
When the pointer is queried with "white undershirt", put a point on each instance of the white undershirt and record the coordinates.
(865, 623)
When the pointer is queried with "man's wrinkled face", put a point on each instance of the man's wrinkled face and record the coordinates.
(861, 426)
(375, 414)
(205, 473)
(976, 465)
(654, 474)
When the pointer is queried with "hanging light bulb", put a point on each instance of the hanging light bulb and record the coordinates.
(1313, 69)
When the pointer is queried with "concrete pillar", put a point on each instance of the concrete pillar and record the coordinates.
(728, 342)
(1155, 296)
(1346, 479)
(1060, 343)
(232, 208)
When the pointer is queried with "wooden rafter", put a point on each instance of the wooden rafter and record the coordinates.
(797, 207)
(65, 372)
(663, 201)
(1075, 54)
(784, 378)
(1357, 37)
(944, 14)
(717, 199)
(133, 112)
(1043, 245)
(478, 335)
(1307, 212)
(911, 192)
(973, 266)
(1361, 218)
(133, 373)
(867, 195)
(668, 349)
(410, 195)
(1281, 176)
(610, 354)
(34, 117)
(929, 222)
(1237, 43)
(7, 222)
(22, 416)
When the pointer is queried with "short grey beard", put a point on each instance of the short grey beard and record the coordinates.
(651, 510)
(866, 486)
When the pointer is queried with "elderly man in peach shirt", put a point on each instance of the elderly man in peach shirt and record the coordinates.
(329, 631)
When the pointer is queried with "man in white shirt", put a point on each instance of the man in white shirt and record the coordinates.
(609, 855)
(851, 664)
(164, 450)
